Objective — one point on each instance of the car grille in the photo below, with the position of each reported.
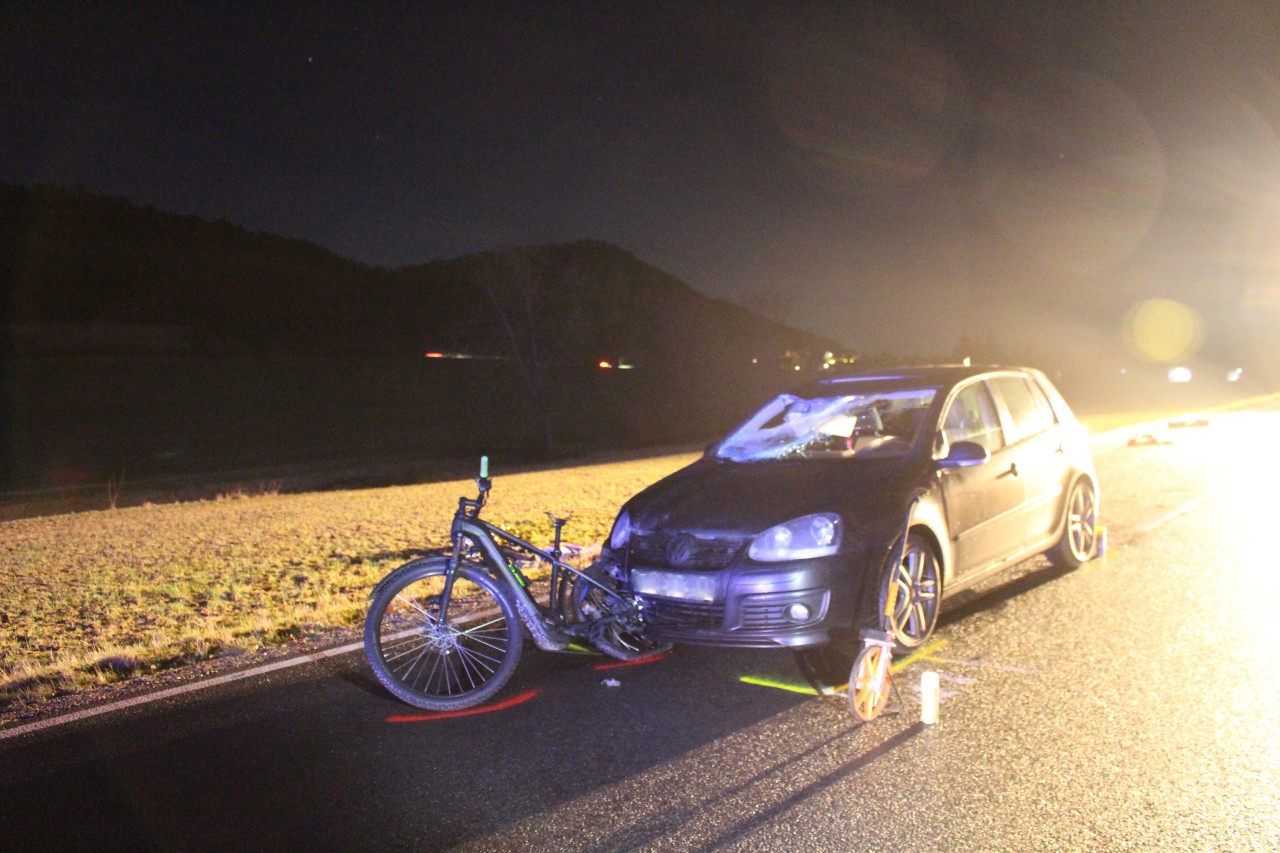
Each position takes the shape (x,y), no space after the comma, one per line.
(650,549)
(692,615)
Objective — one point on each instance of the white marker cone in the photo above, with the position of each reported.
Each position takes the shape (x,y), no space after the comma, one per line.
(929,690)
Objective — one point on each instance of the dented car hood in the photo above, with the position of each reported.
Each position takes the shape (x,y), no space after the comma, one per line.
(732,497)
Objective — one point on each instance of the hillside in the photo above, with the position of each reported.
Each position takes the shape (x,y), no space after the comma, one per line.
(77,262)
(140,343)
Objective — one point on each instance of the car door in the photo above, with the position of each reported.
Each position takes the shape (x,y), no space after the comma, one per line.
(1035,438)
(981,501)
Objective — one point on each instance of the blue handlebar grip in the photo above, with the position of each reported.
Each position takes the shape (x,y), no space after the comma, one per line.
(484,467)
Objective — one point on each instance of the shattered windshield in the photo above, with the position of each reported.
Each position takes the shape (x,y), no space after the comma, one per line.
(874,424)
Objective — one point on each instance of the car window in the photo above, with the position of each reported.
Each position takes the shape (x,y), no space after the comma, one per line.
(972,417)
(1027,406)
(880,423)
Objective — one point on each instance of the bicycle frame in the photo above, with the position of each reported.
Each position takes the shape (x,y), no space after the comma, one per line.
(547,624)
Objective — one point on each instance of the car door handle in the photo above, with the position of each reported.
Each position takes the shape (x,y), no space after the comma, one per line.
(1012,472)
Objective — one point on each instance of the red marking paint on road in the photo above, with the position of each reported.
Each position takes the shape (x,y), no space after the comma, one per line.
(468,712)
(619,664)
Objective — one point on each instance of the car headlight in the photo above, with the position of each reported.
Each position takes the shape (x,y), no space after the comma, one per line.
(809,536)
(621,534)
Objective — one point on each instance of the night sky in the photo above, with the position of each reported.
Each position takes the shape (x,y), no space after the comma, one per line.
(892,175)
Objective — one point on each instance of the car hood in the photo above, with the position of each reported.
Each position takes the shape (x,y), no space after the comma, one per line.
(730,497)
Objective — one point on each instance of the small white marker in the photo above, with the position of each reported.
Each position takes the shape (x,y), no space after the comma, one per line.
(929,690)
(611,682)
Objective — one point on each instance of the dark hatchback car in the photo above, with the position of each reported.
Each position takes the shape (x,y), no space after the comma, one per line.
(780,535)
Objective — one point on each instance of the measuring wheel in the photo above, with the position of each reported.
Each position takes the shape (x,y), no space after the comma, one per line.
(870,681)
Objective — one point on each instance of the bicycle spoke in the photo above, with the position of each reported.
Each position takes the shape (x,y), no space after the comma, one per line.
(413,605)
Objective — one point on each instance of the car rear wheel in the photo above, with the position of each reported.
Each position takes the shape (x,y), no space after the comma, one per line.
(915,612)
(1079,529)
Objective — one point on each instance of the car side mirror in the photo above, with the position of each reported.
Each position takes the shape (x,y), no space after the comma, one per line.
(964,454)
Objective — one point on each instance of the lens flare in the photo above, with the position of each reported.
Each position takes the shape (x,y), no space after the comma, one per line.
(1163,331)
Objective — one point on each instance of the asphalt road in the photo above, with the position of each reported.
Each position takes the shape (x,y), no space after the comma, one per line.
(1129,705)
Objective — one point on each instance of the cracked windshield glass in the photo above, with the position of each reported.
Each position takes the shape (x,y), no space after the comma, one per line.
(861,425)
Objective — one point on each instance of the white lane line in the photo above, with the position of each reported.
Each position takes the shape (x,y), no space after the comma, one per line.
(1182,510)
(40,725)
(1022,670)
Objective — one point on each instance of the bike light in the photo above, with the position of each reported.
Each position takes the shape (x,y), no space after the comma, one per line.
(804,538)
(621,534)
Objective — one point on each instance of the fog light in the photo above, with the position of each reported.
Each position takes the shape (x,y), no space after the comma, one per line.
(799,612)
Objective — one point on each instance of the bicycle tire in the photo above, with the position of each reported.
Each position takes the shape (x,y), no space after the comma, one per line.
(865,701)
(442,666)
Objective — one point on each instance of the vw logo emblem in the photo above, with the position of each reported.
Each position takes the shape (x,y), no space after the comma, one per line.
(680,549)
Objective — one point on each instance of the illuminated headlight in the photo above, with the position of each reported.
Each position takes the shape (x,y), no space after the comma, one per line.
(686,585)
(621,534)
(810,536)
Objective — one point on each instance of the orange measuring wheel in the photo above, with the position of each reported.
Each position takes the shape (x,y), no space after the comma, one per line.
(869,684)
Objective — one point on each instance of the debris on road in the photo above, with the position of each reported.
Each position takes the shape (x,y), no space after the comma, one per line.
(1147,439)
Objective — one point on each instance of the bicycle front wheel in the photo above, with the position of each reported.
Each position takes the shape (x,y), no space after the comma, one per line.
(442,664)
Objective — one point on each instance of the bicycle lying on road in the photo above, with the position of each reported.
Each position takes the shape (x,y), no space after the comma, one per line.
(445,633)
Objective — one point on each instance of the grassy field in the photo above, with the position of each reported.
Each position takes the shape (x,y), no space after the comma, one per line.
(96,597)
(91,598)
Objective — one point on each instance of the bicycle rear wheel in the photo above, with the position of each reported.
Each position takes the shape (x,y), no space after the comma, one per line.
(442,665)
(617,640)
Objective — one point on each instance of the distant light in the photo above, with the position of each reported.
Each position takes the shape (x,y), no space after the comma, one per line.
(1180,374)
(604,365)
(622,366)
(797,367)
(435,355)
(755,361)
(1234,375)
(826,366)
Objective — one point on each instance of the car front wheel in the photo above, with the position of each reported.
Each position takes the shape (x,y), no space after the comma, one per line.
(919,582)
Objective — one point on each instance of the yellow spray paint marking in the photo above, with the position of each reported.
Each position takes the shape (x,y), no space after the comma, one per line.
(925,653)
(778,685)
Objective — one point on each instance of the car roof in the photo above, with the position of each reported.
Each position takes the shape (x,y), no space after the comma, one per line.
(933,376)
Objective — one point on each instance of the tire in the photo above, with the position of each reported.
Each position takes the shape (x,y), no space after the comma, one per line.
(865,701)
(919,580)
(610,637)
(1079,528)
(449,666)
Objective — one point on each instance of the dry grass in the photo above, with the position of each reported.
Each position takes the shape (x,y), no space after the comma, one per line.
(95,597)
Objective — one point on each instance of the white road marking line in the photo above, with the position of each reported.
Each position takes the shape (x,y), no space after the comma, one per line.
(1182,510)
(40,725)
(987,664)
